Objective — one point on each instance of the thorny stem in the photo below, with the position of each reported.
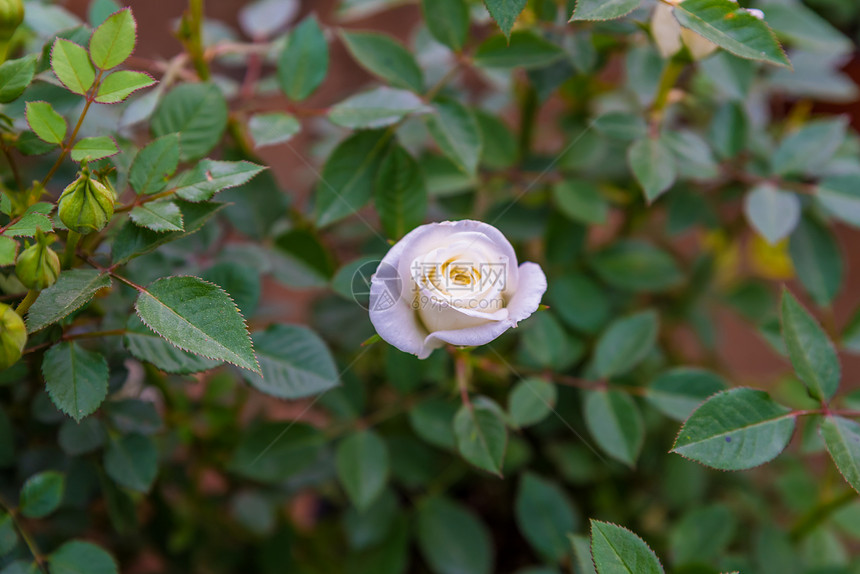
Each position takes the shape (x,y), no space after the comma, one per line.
(26,537)
(28,300)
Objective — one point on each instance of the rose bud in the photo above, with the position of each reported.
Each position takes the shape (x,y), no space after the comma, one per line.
(38,266)
(87,204)
(13,336)
(455,282)
(11,16)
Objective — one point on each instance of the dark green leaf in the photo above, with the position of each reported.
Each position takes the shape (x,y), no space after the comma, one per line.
(616,550)
(637,266)
(273,452)
(73,289)
(132,461)
(45,122)
(198,112)
(362,466)
(154,164)
(385,57)
(702,535)
(400,197)
(77,438)
(579,302)
(530,401)
(42,494)
(679,391)
(625,343)
(523,49)
(448,21)
(15,76)
(455,130)
(817,260)
(499,146)
(842,438)
(240,279)
(72,66)
(653,165)
(76,379)
(113,41)
(481,436)
(615,423)
(432,420)
(452,539)
(303,63)
(812,354)
(505,13)
(8,534)
(603,9)
(545,516)
(145,345)
(77,556)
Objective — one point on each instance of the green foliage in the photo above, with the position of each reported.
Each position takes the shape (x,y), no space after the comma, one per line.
(42,494)
(76,379)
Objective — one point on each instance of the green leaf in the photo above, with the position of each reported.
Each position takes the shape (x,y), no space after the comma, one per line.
(303,63)
(616,550)
(99,10)
(817,260)
(76,379)
(158,216)
(615,424)
(448,21)
(400,197)
(145,345)
(199,317)
(842,438)
(625,344)
(653,166)
(702,535)
(633,265)
(198,112)
(299,259)
(481,436)
(240,279)
(273,128)
(45,122)
(15,76)
(261,19)
(735,430)
(499,149)
(73,289)
(773,212)
(8,534)
(523,49)
(362,466)
(545,344)
(385,57)
(78,556)
(582,554)
(621,126)
(210,176)
(273,452)
(812,354)
(452,539)
(94,148)
(132,461)
(72,66)
(349,174)
(530,401)
(154,164)
(732,28)
(805,29)
(678,392)
(42,494)
(810,147)
(840,196)
(545,516)
(380,107)
(8,251)
(581,201)
(432,420)
(728,130)
(116,87)
(294,363)
(455,130)
(505,13)
(34,219)
(77,438)
(113,41)
(579,302)
(603,9)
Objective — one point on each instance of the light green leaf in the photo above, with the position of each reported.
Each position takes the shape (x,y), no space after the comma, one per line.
(615,424)
(72,66)
(380,107)
(132,461)
(653,166)
(622,126)
(73,289)
(262,19)
(505,13)
(625,343)
(273,128)
(385,57)
(199,317)
(633,265)
(45,122)
(481,436)
(842,438)
(116,87)
(805,29)
(582,554)
(78,556)
(773,213)
(455,130)
(210,176)
(732,28)
(113,41)
(294,363)
(616,550)
(349,174)
(158,216)
(523,49)
(15,76)
(735,430)
(810,147)
(545,516)
(76,379)
(581,201)
(154,164)
(530,401)
(35,218)
(812,354)
(452,539)
(603,9)
(448,21)
(8,251)
(817,260)
(198,112)
(303,63)
(42,494)
(678,392)
(401,196)
(840,196)
(145,345)
(94,148)
(362,466)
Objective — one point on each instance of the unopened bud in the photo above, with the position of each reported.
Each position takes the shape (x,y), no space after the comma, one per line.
(11,16)
(87,204)
(13,336)
(38,266)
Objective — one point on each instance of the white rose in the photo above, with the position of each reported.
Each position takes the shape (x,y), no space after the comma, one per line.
(453,282)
